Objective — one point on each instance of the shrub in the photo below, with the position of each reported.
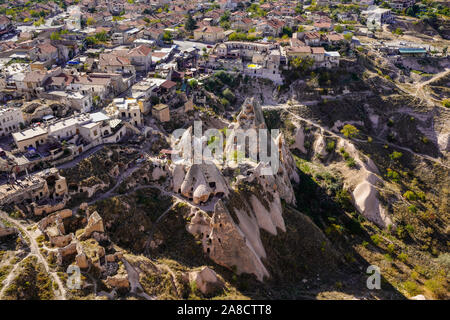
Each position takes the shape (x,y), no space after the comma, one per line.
(446,103)
(395,155)
(421,195)
(349,131)
(339,28)
(410,195)
(224,102)
(444,260)
(376,239)
(437,287)
(409,228)
(398,32)
(351,163)
(393,175)
(229,95)
(412,288)
(403,257)
(348,36)
(330,146)
(391,248)
(401,232)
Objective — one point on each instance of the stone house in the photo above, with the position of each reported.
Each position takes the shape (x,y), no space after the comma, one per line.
(30,138)
(161,112)
(209,34)
(10,120)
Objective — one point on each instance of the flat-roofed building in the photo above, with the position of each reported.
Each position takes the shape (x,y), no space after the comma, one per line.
(31,138)
(10,120)
(161,112)
(127,109)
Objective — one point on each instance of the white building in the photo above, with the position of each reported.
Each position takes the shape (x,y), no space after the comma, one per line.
(73,20)
(128,109)
(76,100)
(10,120)
(377,16)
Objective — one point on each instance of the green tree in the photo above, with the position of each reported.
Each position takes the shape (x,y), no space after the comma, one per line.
(395,155)
(90,21)
(349,131)
(55,36)
(167,36)
(348,36)
(101,36)
(193,83)
(237,36)
(410,195)
(338,28)
(40,22)
(302,64)
(190,23)
(398,32)
(229,95)
(287,31)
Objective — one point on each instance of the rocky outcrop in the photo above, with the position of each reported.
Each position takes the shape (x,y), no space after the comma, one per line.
(228,245)
(53,227)
(5,231)
(63,253)
(206,281)
(55,218)
(39,210)
(367,203)
(158,173)
(82,261)
(200,182)
(364,180)
(299,140)
(89,252)
(252,200)
(319,146)
(419,297)
(95,224)
(61,240)
(118,282)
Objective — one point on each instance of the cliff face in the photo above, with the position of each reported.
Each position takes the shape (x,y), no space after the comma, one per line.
(363,179)
(245,201)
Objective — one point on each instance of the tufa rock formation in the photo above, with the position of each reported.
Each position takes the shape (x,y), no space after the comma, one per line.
(251,201)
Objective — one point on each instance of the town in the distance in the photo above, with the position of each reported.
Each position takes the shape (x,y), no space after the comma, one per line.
(95,205)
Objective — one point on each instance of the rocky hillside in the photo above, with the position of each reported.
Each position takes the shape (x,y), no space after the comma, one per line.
(363,180)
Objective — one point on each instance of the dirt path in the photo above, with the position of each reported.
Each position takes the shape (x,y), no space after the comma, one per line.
(11,276)
(174,281)
(421,94)
(133,278)
(61,293)
(150,237)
